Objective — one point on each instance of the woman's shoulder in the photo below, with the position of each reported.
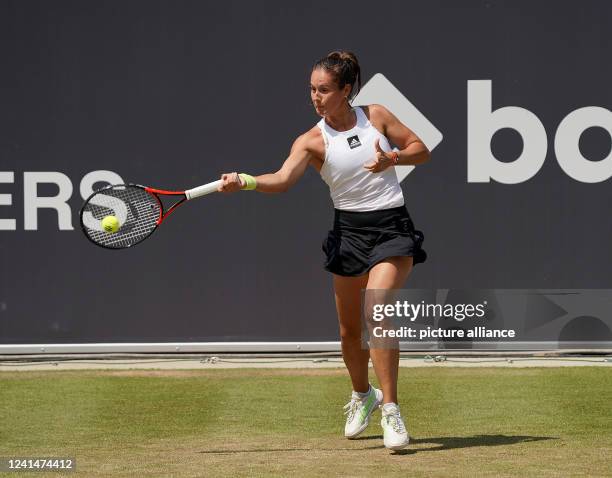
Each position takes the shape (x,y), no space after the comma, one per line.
(312,142)
(378,116)
(375,111)
(311,139)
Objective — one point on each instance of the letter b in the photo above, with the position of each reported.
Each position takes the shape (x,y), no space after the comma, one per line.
(482,125)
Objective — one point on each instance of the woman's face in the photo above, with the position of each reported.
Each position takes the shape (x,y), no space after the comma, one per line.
(326,97)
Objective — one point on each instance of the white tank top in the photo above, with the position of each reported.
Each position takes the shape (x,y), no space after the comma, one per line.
(351,186)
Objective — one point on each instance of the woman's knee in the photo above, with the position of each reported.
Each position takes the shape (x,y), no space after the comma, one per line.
(350,332)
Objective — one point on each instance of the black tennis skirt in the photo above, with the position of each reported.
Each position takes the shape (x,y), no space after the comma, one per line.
(360,240)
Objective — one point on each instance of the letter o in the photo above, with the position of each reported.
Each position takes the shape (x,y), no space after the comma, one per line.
(567,148)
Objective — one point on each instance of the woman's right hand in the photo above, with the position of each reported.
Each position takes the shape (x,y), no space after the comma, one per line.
(231,183)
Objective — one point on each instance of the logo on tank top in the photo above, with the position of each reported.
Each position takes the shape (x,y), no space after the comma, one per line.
(353,142)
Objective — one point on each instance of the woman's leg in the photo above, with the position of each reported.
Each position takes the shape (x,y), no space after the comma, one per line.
(388,274)
(348,306)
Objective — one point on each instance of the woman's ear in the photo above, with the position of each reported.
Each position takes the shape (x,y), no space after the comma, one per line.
(347,90)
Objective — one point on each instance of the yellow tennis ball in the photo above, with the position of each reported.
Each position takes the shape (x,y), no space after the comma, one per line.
(110,224)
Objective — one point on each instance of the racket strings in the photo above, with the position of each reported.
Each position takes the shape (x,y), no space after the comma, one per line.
(136,210)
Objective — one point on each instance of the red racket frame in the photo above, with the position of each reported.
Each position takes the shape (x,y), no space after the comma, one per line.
(156,192)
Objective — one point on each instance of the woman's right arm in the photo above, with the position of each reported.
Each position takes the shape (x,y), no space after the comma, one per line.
(279,182)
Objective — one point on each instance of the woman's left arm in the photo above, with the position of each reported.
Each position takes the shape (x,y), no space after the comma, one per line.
(412,151)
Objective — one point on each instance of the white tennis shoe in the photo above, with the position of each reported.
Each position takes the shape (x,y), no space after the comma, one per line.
(358,411)
(395,433)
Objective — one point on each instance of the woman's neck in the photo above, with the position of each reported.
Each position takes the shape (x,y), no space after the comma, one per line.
(343,120)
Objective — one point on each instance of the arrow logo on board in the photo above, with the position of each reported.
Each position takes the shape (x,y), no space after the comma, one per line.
(381,91)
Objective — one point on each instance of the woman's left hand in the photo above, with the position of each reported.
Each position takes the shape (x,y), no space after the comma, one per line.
(381,162)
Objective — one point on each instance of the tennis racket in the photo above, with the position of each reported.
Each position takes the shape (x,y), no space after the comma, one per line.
(123,215)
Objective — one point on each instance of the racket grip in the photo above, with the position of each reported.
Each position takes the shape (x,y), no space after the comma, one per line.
(203,190)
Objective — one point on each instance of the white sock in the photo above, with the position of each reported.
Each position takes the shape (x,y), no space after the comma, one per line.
(390,407)
(364,394)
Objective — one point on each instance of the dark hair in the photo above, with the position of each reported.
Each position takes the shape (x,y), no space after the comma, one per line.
(345,68)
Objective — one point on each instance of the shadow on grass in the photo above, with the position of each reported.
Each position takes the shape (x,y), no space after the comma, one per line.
(450,443)
(444,443)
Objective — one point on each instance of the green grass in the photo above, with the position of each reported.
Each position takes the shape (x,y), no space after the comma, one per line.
(463,422)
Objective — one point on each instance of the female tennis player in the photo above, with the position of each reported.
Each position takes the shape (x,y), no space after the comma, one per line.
(373,244)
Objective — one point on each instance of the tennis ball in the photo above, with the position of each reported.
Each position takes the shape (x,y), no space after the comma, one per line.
(110,224)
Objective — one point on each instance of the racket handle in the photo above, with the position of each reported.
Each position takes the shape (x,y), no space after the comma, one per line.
(203,190)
